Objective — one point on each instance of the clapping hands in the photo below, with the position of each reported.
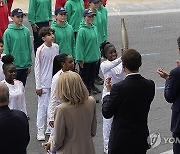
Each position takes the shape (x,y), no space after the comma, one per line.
(163,73)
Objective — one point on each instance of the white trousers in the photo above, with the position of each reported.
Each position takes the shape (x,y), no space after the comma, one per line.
(51,135)
(42,112)
(106,130)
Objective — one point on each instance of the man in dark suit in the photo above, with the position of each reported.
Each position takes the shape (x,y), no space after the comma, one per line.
(14,127)
(129,102)
(172,95)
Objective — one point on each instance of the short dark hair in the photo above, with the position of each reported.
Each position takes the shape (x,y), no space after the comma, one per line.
(131,59)
(1,41)
(45,31)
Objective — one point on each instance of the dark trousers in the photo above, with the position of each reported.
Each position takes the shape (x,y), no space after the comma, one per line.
(22,75)
(75,36)
(99,62)
(98,67)
(176,144)
(87,74)
(38,40)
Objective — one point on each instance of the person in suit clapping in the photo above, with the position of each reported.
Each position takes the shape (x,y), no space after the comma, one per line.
(129,102)
(172,95)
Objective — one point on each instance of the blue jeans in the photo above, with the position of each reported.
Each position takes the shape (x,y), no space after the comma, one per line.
(98,67)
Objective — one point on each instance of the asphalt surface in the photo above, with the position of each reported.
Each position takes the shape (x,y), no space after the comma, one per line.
(154,35)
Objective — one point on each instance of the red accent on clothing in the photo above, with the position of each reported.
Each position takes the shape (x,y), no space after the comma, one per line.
(9,3)
(86,4)
(104,2)
(4,18)
(60,3)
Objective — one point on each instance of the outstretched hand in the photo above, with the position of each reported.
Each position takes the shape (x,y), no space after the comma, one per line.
(163,73)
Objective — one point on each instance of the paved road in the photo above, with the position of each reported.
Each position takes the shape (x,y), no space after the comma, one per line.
(154,36)
(124,7)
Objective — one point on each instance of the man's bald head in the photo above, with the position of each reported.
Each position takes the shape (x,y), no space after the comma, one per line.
(4,93)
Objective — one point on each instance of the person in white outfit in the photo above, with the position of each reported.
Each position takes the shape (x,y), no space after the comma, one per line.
(112,67)
(43,69)
(1,63)
(62,63)
(16,88)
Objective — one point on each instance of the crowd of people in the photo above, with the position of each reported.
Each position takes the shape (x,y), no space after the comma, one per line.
(68,51)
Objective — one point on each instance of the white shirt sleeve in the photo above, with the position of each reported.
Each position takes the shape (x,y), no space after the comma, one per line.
(108,65)
(53,99)
(57,49)
(37,68)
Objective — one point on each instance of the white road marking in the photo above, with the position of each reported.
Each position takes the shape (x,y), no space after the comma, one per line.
(116,11)
(153,27)
(143,12)
(149,54)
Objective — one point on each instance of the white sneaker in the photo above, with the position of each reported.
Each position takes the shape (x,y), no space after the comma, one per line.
(105,150)
(40,135)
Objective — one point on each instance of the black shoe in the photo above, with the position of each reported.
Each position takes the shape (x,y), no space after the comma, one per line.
(99,81)
(97,101)
(96,89)
(99,78)
(93,92)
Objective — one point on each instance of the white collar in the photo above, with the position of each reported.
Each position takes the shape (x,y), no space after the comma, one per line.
(132,74)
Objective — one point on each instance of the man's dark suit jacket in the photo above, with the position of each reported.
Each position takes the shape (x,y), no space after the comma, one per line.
(129,102)
(14,131)
(172,95)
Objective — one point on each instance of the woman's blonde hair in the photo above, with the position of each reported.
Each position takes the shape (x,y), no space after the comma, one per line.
(71,89)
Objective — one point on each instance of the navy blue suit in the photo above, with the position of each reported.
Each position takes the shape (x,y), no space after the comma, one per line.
(129,102)
(172,95)
(14,131)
